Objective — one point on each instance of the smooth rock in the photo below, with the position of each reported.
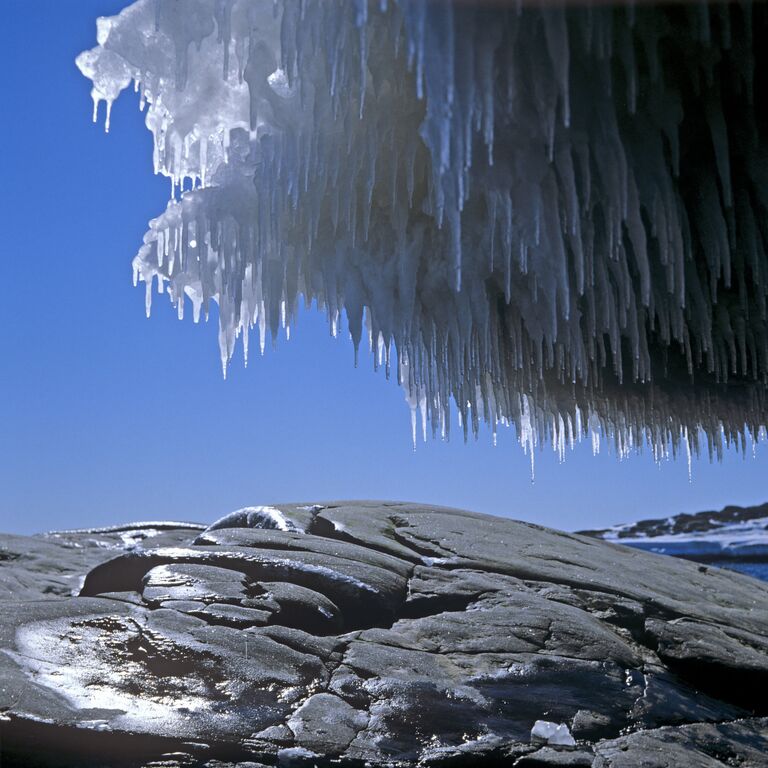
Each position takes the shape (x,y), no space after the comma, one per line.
(373,632)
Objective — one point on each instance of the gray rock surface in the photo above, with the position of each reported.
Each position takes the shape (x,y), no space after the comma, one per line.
(376,633)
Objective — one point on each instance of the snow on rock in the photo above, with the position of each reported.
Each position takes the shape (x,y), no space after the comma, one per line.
(553,217)
(552,733)
(257,517)
(294,756)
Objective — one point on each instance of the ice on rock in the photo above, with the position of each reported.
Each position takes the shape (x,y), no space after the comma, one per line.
(552,733)
(551,217)
(294,757)
(269,518)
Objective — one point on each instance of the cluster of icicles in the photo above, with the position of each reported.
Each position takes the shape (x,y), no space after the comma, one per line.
(551,217)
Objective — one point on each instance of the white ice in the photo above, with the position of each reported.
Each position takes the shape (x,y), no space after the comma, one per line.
(490,195)
(257,517)
(552,733)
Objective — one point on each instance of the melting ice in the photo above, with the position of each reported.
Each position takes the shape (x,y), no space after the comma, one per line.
(552,217)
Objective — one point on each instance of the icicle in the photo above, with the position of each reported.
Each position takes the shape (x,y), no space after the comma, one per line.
(548,227)
(148,297)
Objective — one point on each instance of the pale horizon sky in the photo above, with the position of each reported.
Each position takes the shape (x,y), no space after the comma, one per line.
(109,417)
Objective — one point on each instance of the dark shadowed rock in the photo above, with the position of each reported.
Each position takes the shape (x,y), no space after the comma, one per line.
(374,633)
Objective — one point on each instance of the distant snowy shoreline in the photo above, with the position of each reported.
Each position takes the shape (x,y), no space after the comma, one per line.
(735,538)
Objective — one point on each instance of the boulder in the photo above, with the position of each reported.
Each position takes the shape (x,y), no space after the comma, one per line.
(376,633)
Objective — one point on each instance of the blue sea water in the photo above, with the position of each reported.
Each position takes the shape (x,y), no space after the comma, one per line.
(704,551)
(757,570)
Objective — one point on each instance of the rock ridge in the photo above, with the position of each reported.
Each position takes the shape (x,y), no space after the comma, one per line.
(373,633)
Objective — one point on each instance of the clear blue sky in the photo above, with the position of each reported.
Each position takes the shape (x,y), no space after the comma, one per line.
(106,416)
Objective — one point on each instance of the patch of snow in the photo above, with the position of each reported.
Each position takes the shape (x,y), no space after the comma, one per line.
(138,527)
(270,518)
(555,734)
(294,756)
(430,561)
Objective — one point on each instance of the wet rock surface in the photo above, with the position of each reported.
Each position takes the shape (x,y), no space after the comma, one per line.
(357,633)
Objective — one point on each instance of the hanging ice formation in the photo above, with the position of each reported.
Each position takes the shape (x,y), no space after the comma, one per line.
(554,217)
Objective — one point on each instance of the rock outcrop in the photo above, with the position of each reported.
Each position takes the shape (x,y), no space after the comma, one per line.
(357,633)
